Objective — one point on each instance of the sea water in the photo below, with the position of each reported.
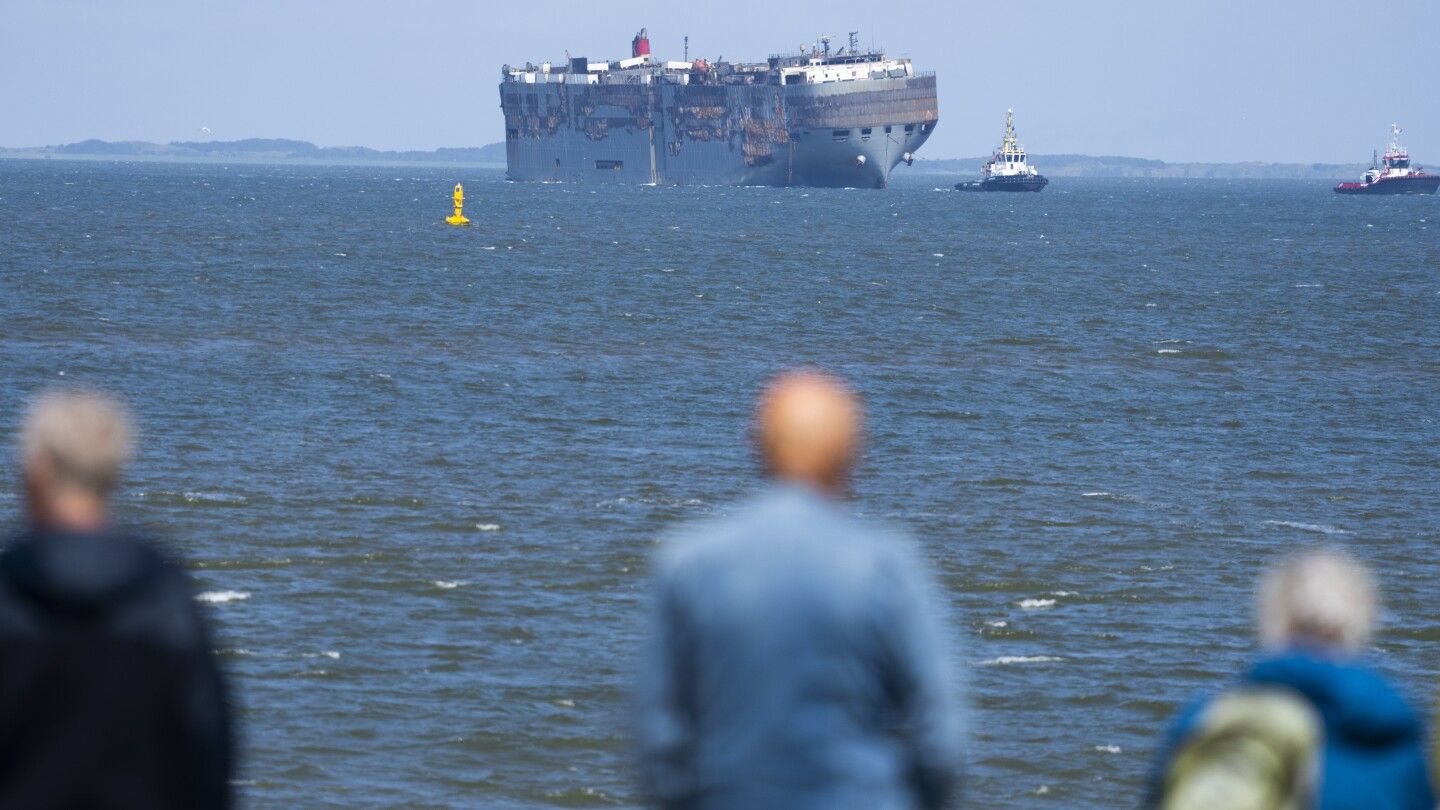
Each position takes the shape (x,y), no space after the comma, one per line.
(420,470)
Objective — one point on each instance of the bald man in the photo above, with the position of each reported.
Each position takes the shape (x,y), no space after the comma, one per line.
(109,692)
(796,659)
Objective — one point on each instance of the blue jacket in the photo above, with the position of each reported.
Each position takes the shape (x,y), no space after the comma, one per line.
(1374,750)
(796,662)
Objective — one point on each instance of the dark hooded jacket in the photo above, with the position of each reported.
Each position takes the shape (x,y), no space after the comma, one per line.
(1373,756)
(110,696)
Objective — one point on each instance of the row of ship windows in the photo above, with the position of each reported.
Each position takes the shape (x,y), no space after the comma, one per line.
(843,135)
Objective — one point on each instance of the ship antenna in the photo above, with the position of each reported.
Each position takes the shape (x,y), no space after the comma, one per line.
(687,47)
(854,41)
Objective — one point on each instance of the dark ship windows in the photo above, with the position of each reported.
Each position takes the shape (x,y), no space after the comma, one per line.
(887,129)
(909,128)
(840,135)
(612,165)
(865,134)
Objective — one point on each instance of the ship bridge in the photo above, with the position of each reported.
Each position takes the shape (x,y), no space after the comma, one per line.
(822,70)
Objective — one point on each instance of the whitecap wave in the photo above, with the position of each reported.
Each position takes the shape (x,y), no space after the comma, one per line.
(1108,749)
(447,584)
(214,497)
(1007,660)
(1036,604)
(487,527)
(1317,528)
(221,597)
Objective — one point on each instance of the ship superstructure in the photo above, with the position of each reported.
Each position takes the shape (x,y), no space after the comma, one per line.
(1393,174)
(1007,169)
(816,118)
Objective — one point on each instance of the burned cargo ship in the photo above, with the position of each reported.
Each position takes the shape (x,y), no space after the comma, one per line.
(815,118)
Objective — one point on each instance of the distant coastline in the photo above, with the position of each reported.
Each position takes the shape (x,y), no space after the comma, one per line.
(260,150)
(1116,166)
(285,151)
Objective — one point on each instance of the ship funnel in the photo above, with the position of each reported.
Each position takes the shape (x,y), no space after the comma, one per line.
(640,45)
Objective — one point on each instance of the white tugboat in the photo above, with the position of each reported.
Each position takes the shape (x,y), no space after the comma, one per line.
(1006,170)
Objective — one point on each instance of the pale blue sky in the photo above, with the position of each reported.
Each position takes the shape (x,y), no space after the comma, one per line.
(1275,80)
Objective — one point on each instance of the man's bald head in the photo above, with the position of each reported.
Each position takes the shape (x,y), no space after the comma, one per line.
(808,428)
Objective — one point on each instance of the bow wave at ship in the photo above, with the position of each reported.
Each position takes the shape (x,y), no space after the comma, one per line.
(817,118)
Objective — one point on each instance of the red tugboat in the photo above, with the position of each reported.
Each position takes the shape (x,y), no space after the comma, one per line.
(1394,174)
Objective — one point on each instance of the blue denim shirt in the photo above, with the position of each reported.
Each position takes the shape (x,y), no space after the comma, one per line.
(796,662)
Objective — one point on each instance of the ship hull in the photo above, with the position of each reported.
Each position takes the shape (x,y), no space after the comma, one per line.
(1014,183)
(1413,184)
(672,134)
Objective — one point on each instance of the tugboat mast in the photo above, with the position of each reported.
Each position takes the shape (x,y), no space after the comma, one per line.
(1011,144)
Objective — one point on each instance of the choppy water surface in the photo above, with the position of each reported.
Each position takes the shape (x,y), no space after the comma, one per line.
(421,469)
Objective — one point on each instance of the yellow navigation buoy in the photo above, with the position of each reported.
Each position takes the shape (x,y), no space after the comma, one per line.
(459,218)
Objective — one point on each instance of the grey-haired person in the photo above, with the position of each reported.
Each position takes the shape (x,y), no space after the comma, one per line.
(110,695)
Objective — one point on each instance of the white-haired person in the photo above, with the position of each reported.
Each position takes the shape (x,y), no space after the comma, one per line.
(1310,725)
(109,691)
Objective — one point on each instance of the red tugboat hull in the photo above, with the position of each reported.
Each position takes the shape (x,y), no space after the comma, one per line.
(1409,184)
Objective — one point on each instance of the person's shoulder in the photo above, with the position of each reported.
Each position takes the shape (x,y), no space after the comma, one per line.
(1349,691)
(702,542)
(1308,670)
(780,512)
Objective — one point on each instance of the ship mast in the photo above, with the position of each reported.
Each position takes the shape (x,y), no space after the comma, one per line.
(1395,138)
(1010,146)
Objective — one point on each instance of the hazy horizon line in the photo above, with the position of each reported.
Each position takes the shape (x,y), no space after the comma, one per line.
(918,157)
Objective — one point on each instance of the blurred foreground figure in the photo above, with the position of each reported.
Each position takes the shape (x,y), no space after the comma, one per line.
(109,695)
(1310,726)
(796,659)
